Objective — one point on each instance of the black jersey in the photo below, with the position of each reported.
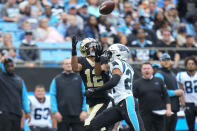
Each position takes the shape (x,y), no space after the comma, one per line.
(91,80)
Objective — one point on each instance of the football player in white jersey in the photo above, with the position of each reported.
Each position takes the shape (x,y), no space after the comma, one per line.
(41,119)
(126,107)
(188,82)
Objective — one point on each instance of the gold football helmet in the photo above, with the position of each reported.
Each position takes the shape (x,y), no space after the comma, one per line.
(85,46)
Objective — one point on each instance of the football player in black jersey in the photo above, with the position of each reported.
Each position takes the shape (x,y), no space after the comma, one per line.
(85,65)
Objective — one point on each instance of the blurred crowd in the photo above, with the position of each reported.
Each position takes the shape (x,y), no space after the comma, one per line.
(135,23)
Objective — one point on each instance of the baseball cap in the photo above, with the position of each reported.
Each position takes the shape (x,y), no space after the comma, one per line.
(104,34)
(72,6)
(165,56)
(84,5)
(156,65)
(28,32)
(170,7)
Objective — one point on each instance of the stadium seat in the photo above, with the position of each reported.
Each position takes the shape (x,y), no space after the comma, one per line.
(8,26)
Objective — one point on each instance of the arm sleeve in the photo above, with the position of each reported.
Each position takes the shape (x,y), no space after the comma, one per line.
(165,94)
(54,108)
(159,75)
(135,91)
(84,106)
(171,93)
(110,84)
(25,99)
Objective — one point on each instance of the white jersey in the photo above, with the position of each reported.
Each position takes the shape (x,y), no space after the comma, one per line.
(124,88)
(40,112)
(190,86)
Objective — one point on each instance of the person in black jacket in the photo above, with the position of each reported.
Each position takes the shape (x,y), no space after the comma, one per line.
(152,90)
(13,97)
(32,51)
(173,90)
(68,103)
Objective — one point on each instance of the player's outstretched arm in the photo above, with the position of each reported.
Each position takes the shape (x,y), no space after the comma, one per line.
(98,52)
(116,76)
(76,67)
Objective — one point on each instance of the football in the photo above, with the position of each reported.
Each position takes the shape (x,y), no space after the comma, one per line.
(106,7)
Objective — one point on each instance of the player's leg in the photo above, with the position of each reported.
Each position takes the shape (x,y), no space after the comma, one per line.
(63,126)
(106,118)
(130,113)
(190,116)
(95,110)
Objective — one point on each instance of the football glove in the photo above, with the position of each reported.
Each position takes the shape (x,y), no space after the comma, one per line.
(89,92)
(98,52)
(74,44)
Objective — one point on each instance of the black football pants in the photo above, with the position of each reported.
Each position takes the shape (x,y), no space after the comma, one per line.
(190,114)
(126,110)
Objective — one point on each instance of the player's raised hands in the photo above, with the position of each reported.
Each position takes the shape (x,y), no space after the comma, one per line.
(98,52)
(74,44)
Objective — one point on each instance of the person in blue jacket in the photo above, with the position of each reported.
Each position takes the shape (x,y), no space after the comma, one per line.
(169,78)
(68,103)
(13,97)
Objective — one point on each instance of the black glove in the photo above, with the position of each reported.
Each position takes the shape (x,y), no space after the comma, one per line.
(89,92)
(98,52)
(74,43)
